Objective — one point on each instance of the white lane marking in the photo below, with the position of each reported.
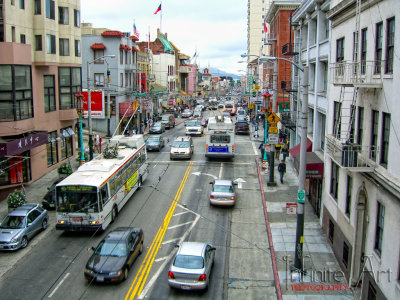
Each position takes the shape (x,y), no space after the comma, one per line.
(169,242)
(155,166)
(179,225)
(58,285)
(161,259)
(220,171)
(254,148)
(162,267)
(199,161)
(181,213)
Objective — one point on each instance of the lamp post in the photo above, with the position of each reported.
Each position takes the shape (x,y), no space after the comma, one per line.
(298,262)
(90,103)
(80,112)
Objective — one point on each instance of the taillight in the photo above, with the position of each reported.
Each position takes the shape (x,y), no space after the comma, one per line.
(171,275)
(211,197)
(232,198)
(202,277)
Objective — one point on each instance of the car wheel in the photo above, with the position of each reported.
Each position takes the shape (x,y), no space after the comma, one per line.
(141,248)
(126,272)
(24,242)
(44,224)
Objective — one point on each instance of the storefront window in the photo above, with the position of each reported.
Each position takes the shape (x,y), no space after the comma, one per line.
(52,149)
(66,143)
(15,170)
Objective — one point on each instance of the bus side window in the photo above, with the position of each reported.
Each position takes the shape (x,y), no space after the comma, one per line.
(104,194)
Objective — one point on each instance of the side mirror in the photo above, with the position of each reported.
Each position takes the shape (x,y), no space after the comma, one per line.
(177,245)
(213,248)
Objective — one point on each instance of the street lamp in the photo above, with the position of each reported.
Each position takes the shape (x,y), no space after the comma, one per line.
(298,262)
(80,112)
(90,103)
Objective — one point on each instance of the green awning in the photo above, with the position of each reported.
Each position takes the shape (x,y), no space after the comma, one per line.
(166,44)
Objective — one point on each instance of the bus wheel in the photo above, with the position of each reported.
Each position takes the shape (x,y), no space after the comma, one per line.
(139,182)
(114,214)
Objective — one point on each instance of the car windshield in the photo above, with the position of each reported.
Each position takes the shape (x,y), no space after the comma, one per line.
(111,248)
(180,144)
(152,141)
(13,222)
(165,118)
(157,125)
(198,124)
(189,262)
(223,188)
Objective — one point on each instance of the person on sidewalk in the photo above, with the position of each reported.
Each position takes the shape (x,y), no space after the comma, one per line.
(282,169)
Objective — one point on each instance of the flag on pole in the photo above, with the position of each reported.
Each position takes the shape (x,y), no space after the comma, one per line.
(158,9)
(265,26)
(135,32)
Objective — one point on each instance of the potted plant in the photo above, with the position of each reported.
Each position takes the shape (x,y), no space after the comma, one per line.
(65,169)
(15,199)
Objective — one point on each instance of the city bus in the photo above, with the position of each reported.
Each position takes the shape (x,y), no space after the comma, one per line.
(220,139)
(91,197)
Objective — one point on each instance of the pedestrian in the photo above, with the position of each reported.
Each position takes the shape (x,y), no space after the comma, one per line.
(261,148)
(282,169)
(285,151)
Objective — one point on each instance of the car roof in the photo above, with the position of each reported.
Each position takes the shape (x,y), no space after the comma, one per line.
(23,209)
(120,233)
(192,248)
(222,182)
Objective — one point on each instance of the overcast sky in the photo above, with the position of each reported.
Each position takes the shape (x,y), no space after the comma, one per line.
(216,29)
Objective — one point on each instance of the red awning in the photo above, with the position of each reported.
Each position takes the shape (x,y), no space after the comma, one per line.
(314,167)
(134,38)
(22,144)
(98,46)
(296,149)
(112,33)
(123,107)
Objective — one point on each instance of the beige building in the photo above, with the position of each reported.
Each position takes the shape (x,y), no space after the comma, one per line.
(256,36)
(40,72)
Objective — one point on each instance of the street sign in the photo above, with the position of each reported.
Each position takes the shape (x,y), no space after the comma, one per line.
(301,195)
(273,138)
(257,87)
(251,106)
(273,119)
(267,148)
(272,129)
(291,208)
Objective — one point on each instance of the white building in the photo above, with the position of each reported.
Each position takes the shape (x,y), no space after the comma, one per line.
(362,170)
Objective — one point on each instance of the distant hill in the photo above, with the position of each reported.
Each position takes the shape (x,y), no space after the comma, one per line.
(218,72)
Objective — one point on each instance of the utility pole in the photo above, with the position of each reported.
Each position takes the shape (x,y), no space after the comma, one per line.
(89,114)
(271,180)
(298,261)
(108,102)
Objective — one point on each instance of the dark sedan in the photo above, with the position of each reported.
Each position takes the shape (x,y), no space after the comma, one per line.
(155,142)
(157,127)
(114,256)
(242,127)
(49,200)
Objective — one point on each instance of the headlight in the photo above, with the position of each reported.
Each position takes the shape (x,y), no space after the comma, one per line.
(199,129)
(186,129)
(88,271)
(115,273)
(16,239)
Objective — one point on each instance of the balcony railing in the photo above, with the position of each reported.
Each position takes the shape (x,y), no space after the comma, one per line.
(184,69)
(289,86)
(288,119)
(289,49)
(367,74)
(352,156)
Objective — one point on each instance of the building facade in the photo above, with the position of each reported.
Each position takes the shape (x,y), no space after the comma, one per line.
(362,169)
(40,72)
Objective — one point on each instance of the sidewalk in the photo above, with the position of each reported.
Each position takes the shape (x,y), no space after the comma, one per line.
(319,260)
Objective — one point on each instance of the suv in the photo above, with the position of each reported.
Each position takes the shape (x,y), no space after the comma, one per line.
(182,147)
(242,127)
(168,121)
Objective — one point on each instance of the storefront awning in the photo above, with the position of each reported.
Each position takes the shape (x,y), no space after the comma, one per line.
(22,144)
(128,108)
(97,46)
(315,166)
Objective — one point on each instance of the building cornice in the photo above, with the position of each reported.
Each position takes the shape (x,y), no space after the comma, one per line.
(280,5)
(307,6)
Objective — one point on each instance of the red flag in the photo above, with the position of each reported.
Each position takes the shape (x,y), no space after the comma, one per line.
(265,27)
(158,9)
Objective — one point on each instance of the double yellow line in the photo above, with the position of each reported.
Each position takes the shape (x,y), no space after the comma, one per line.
(141,276)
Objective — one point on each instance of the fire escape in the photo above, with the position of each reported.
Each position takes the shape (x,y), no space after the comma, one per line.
(353,78)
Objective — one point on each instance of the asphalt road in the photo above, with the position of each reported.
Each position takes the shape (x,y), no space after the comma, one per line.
(176,210)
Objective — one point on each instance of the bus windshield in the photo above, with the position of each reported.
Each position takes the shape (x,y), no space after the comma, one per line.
(77,198)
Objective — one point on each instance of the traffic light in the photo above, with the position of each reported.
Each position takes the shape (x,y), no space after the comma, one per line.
(254,94)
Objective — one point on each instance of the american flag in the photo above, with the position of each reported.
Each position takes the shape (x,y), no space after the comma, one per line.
(135,32)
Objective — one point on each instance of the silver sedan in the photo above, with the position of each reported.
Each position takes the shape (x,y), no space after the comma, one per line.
(222,192)
(191,267)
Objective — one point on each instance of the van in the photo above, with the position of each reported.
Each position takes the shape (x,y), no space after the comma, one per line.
(168,121)
(182,147)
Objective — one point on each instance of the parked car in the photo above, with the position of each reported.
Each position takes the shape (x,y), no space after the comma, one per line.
(49,200)
(182,147)
(191,267)
(187,113)
(114,255)
(222,192)
(242,127)
(157,127)
(193,127)
(155,142)
(168,121)
(21,225)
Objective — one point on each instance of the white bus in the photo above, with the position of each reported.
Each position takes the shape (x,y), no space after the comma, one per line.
(90,198)
(220,140)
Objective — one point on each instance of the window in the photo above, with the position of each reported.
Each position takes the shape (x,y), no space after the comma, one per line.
(355,52)
(340,50)
(38,43)
(97,55)
(69,82)
(22,38)
(337,106)
(345,256)
(334,180)
(385,139)
(121,57)
(349,188)
(49,93)
(50,10)
(360,125)
(63,15)
(77,18)
(380,220)
(352,123)
(66,143)
(371,292)
(22,4)
(38,7)
(13,36)
(77,48)
(52,148)
(374,134)
(50,44)
(323,121)
(121,79)
(15,99)
(331,231)
(363,50)
(12,2)
(378,47)
(99,79)
(64,47)
(389,45)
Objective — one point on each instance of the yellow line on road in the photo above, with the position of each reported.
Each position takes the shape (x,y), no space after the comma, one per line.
(144,270)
